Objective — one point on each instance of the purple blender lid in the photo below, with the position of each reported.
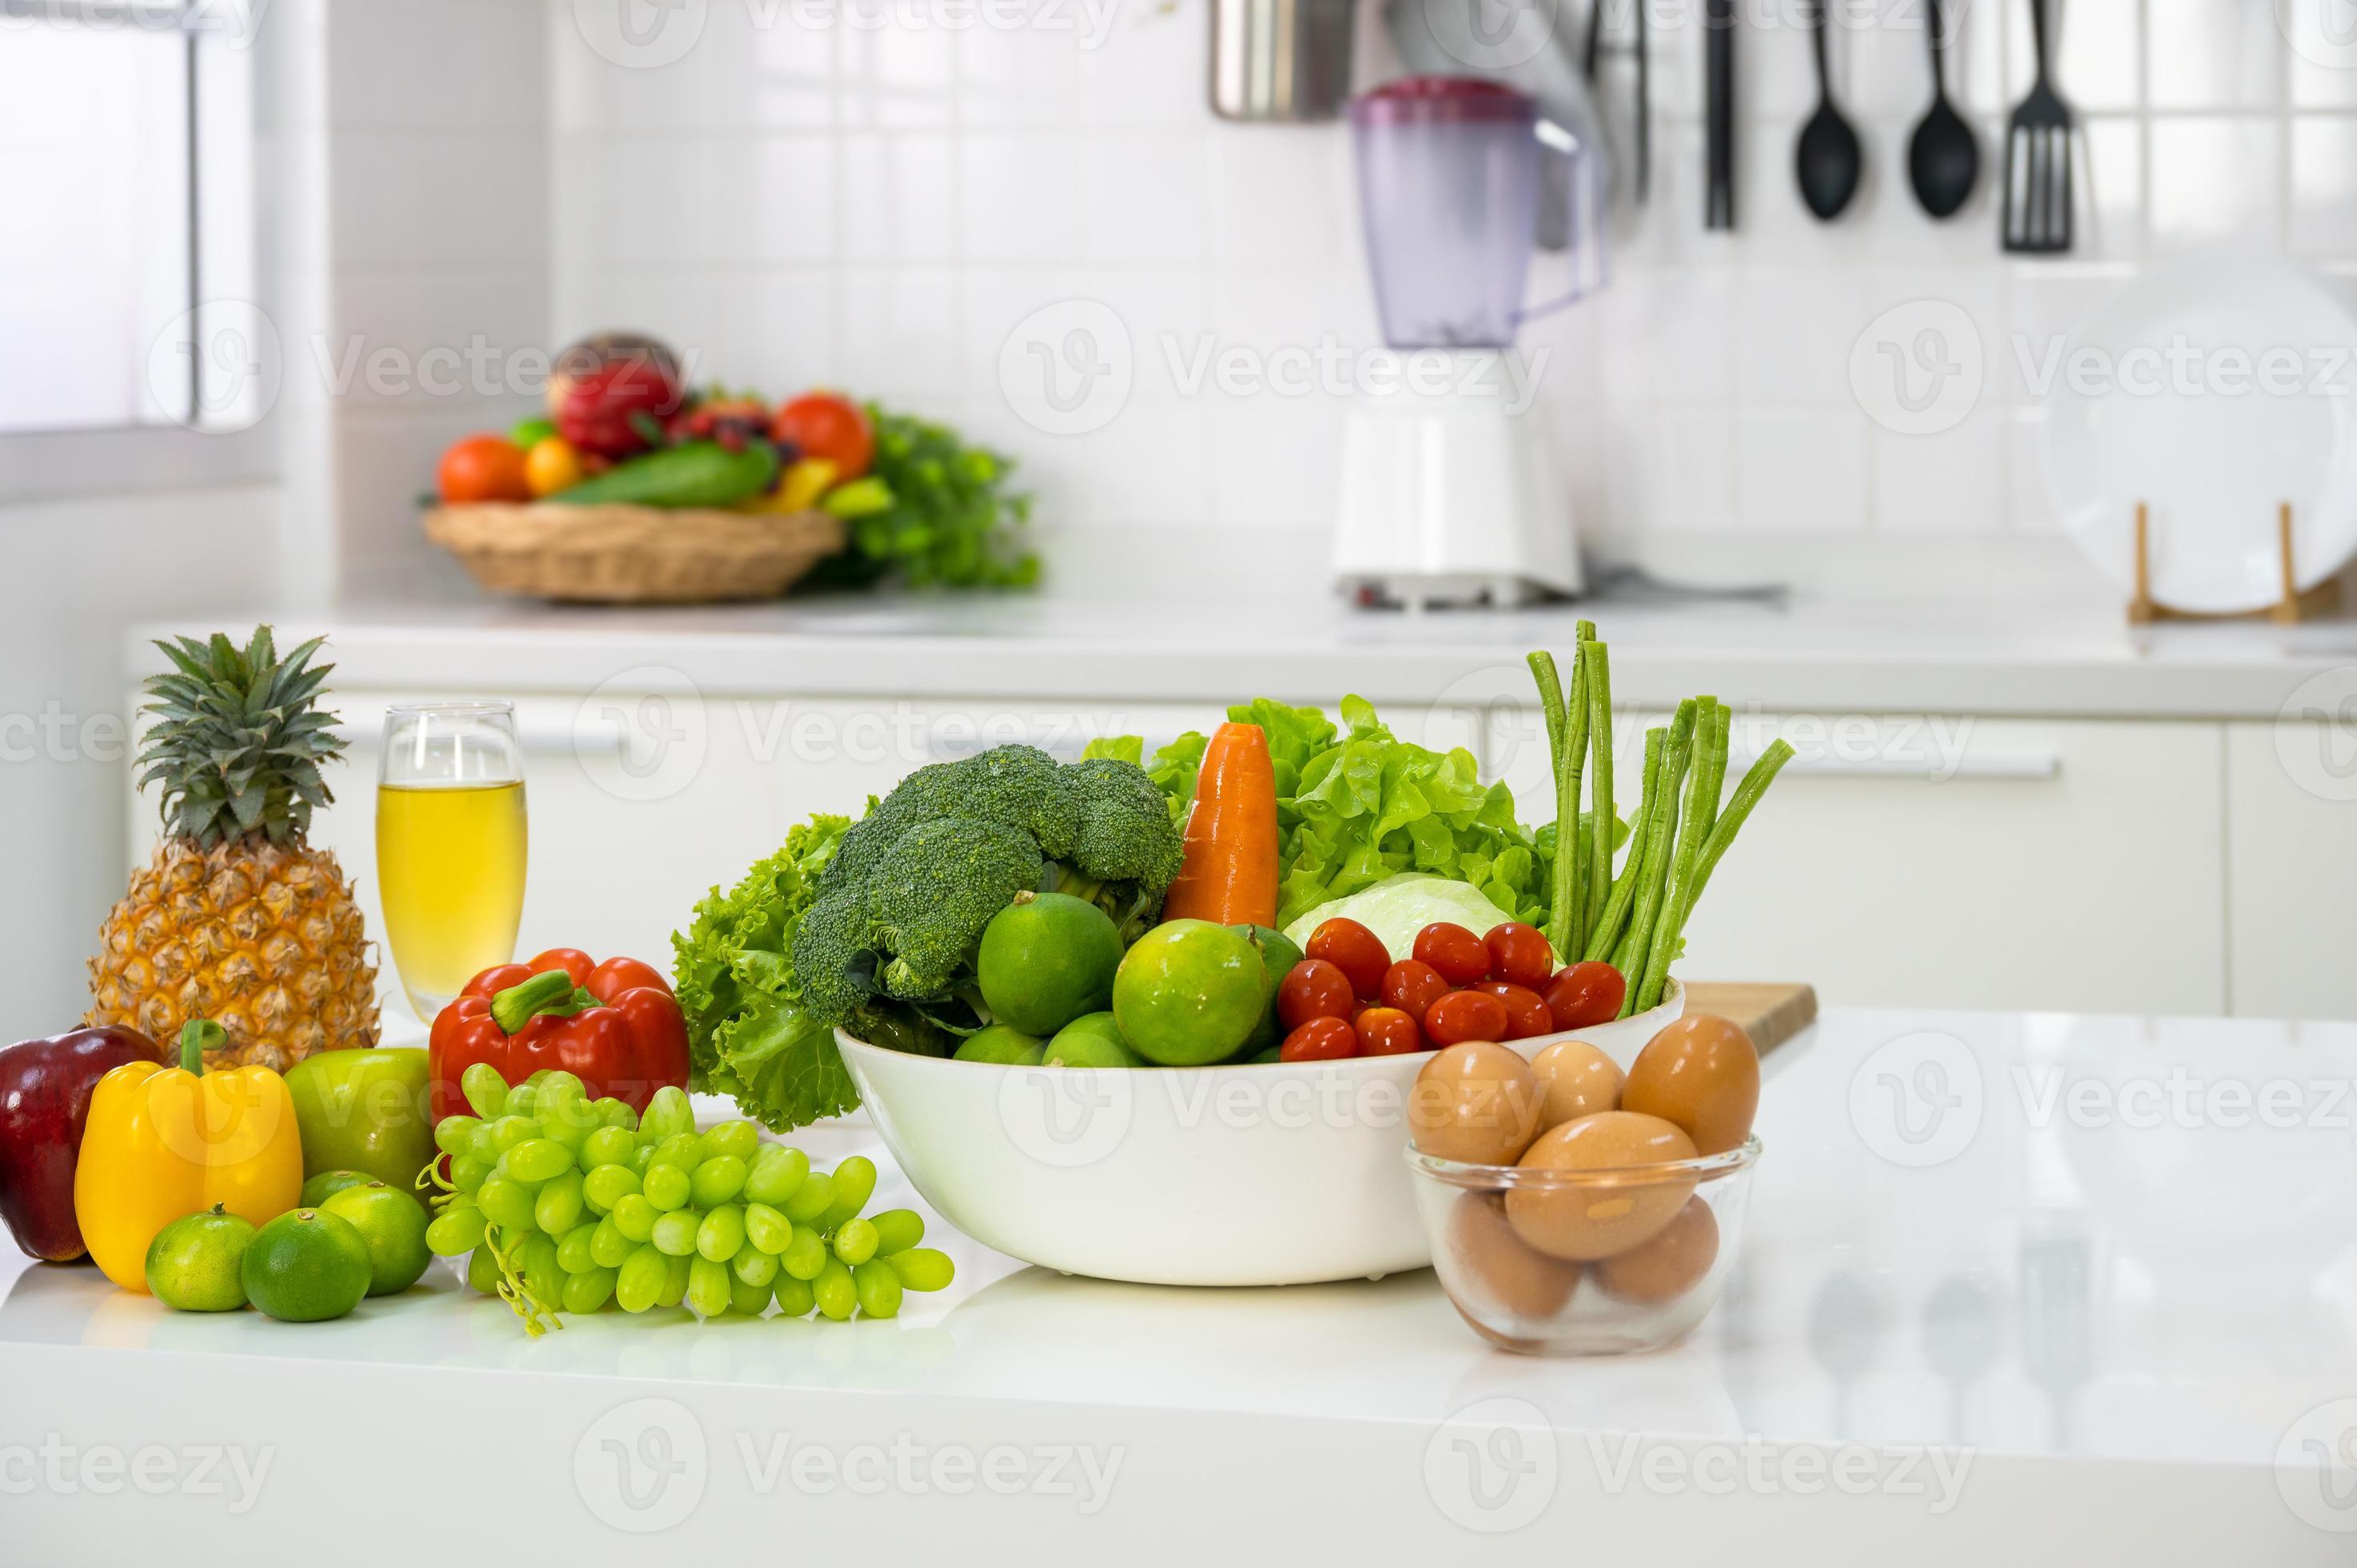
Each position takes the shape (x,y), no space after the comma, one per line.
(1441,100)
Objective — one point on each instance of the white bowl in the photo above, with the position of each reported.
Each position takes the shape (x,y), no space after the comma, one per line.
(1267,1174)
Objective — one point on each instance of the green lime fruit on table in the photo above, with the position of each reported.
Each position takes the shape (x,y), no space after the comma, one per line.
(1010,1048)
(1190,993)
(319,1187)
(1045,960)
(1278,954)
(394,1226)
(305,1266)
(193,1265)
(1092,1039)
(363,1111)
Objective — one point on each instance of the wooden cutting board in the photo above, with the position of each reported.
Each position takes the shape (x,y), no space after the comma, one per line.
(1770,1013)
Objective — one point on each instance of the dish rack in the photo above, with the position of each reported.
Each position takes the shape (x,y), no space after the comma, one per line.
(2292,604)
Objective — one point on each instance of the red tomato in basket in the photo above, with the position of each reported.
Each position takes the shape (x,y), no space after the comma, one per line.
(1586,995)
(1357,951)
(1313,989)
(1413,987)
(1527,1015)
(1519,955)
(1319,1040)
(1388,1031)
(1464,1015)
(1454,952)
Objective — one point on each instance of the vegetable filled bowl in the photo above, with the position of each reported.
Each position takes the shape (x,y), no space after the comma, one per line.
(1258,1173)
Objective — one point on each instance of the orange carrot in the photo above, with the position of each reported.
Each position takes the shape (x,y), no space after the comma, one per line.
(1229,873)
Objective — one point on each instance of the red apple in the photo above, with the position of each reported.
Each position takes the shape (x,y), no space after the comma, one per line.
(44,1100)
(606,390)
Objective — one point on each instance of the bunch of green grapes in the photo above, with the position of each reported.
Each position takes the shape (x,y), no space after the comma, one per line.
(566,1203)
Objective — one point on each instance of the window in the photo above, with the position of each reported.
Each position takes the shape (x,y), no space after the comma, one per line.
(128,280)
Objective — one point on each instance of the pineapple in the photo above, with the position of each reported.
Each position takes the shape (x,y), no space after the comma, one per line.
(236,918)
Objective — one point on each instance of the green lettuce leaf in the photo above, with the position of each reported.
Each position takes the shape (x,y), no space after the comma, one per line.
(749,1034)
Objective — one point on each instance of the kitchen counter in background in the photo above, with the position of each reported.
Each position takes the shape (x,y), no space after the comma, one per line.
(1986,1309)
(2069,656)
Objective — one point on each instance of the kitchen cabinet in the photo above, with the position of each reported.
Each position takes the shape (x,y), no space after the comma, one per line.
(2291,854)
(1958,862)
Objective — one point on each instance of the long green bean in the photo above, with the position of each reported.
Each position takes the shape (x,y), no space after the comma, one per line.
(1637,941)
(1557,930)
(1701,810)
(1602,824)
(1755,783)
(1607,926)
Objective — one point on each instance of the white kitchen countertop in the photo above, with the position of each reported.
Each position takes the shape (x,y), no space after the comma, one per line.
(2025,1285)
(2048,656)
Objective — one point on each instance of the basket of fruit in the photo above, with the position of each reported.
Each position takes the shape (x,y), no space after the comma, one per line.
(636,490)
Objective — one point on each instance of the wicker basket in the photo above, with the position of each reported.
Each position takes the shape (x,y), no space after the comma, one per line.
(634,554)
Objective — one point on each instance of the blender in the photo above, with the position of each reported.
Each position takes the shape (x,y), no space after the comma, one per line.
(1449,494)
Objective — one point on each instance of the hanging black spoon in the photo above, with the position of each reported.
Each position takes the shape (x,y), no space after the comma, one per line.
(1943,157)
(1827,159)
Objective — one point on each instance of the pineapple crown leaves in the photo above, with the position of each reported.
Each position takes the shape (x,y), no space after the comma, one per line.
(238,739)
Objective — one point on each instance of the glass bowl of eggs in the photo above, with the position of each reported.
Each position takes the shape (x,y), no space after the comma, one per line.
(1575,1210)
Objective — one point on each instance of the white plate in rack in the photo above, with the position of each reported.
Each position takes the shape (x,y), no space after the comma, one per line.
(2163,395)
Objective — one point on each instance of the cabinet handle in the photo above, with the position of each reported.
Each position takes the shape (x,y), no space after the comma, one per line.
(2030,763)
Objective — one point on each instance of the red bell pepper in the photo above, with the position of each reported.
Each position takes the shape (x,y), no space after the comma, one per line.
(615,1025)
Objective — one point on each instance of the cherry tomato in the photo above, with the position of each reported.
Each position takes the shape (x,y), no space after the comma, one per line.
(1412,987)
(1312,989)
(1464,1015)
(1519,955)
(1527,1016)
(1585,994)
(1357,951)
(1388,1031)
(1455,953)
(1319,1040)
(820,425)
(484,469)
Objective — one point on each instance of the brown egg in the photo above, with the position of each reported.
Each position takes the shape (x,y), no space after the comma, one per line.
(1611,1214)
(1477,1103)
(1576,1079)
(1669,1266)
(1494,1272)
(1702,1074)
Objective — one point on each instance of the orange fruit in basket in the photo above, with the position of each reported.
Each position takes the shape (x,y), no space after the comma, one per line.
(484,469)
(552,465)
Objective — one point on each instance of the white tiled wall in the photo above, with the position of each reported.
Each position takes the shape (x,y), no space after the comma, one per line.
(862,196)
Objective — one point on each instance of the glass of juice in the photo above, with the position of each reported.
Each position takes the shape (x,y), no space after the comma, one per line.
(449,845)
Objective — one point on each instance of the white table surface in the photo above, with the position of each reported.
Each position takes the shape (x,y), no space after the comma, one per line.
(2015,1283)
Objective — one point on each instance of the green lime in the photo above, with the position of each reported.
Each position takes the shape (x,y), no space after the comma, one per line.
(1045,960)
(192,1262)
(1190,993)
(317,1189)
(1092,1039)
(393,1225)
(1278,954)
(305,1266)
(1010,1047)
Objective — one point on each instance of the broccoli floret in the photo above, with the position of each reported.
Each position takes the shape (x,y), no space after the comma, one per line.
(1015,785)
(902,906)
(1125,849)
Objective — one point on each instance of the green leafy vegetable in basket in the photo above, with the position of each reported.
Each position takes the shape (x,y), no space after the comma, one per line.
(932,512)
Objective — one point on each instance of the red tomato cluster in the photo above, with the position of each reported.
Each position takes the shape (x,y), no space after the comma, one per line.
(1347,998)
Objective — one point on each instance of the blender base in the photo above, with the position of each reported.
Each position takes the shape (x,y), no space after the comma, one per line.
(1450,499)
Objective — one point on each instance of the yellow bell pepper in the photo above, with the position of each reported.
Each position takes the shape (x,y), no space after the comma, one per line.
(163,1141)
(799,488)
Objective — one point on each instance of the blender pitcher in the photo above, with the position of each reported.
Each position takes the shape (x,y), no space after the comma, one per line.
(1449,169)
